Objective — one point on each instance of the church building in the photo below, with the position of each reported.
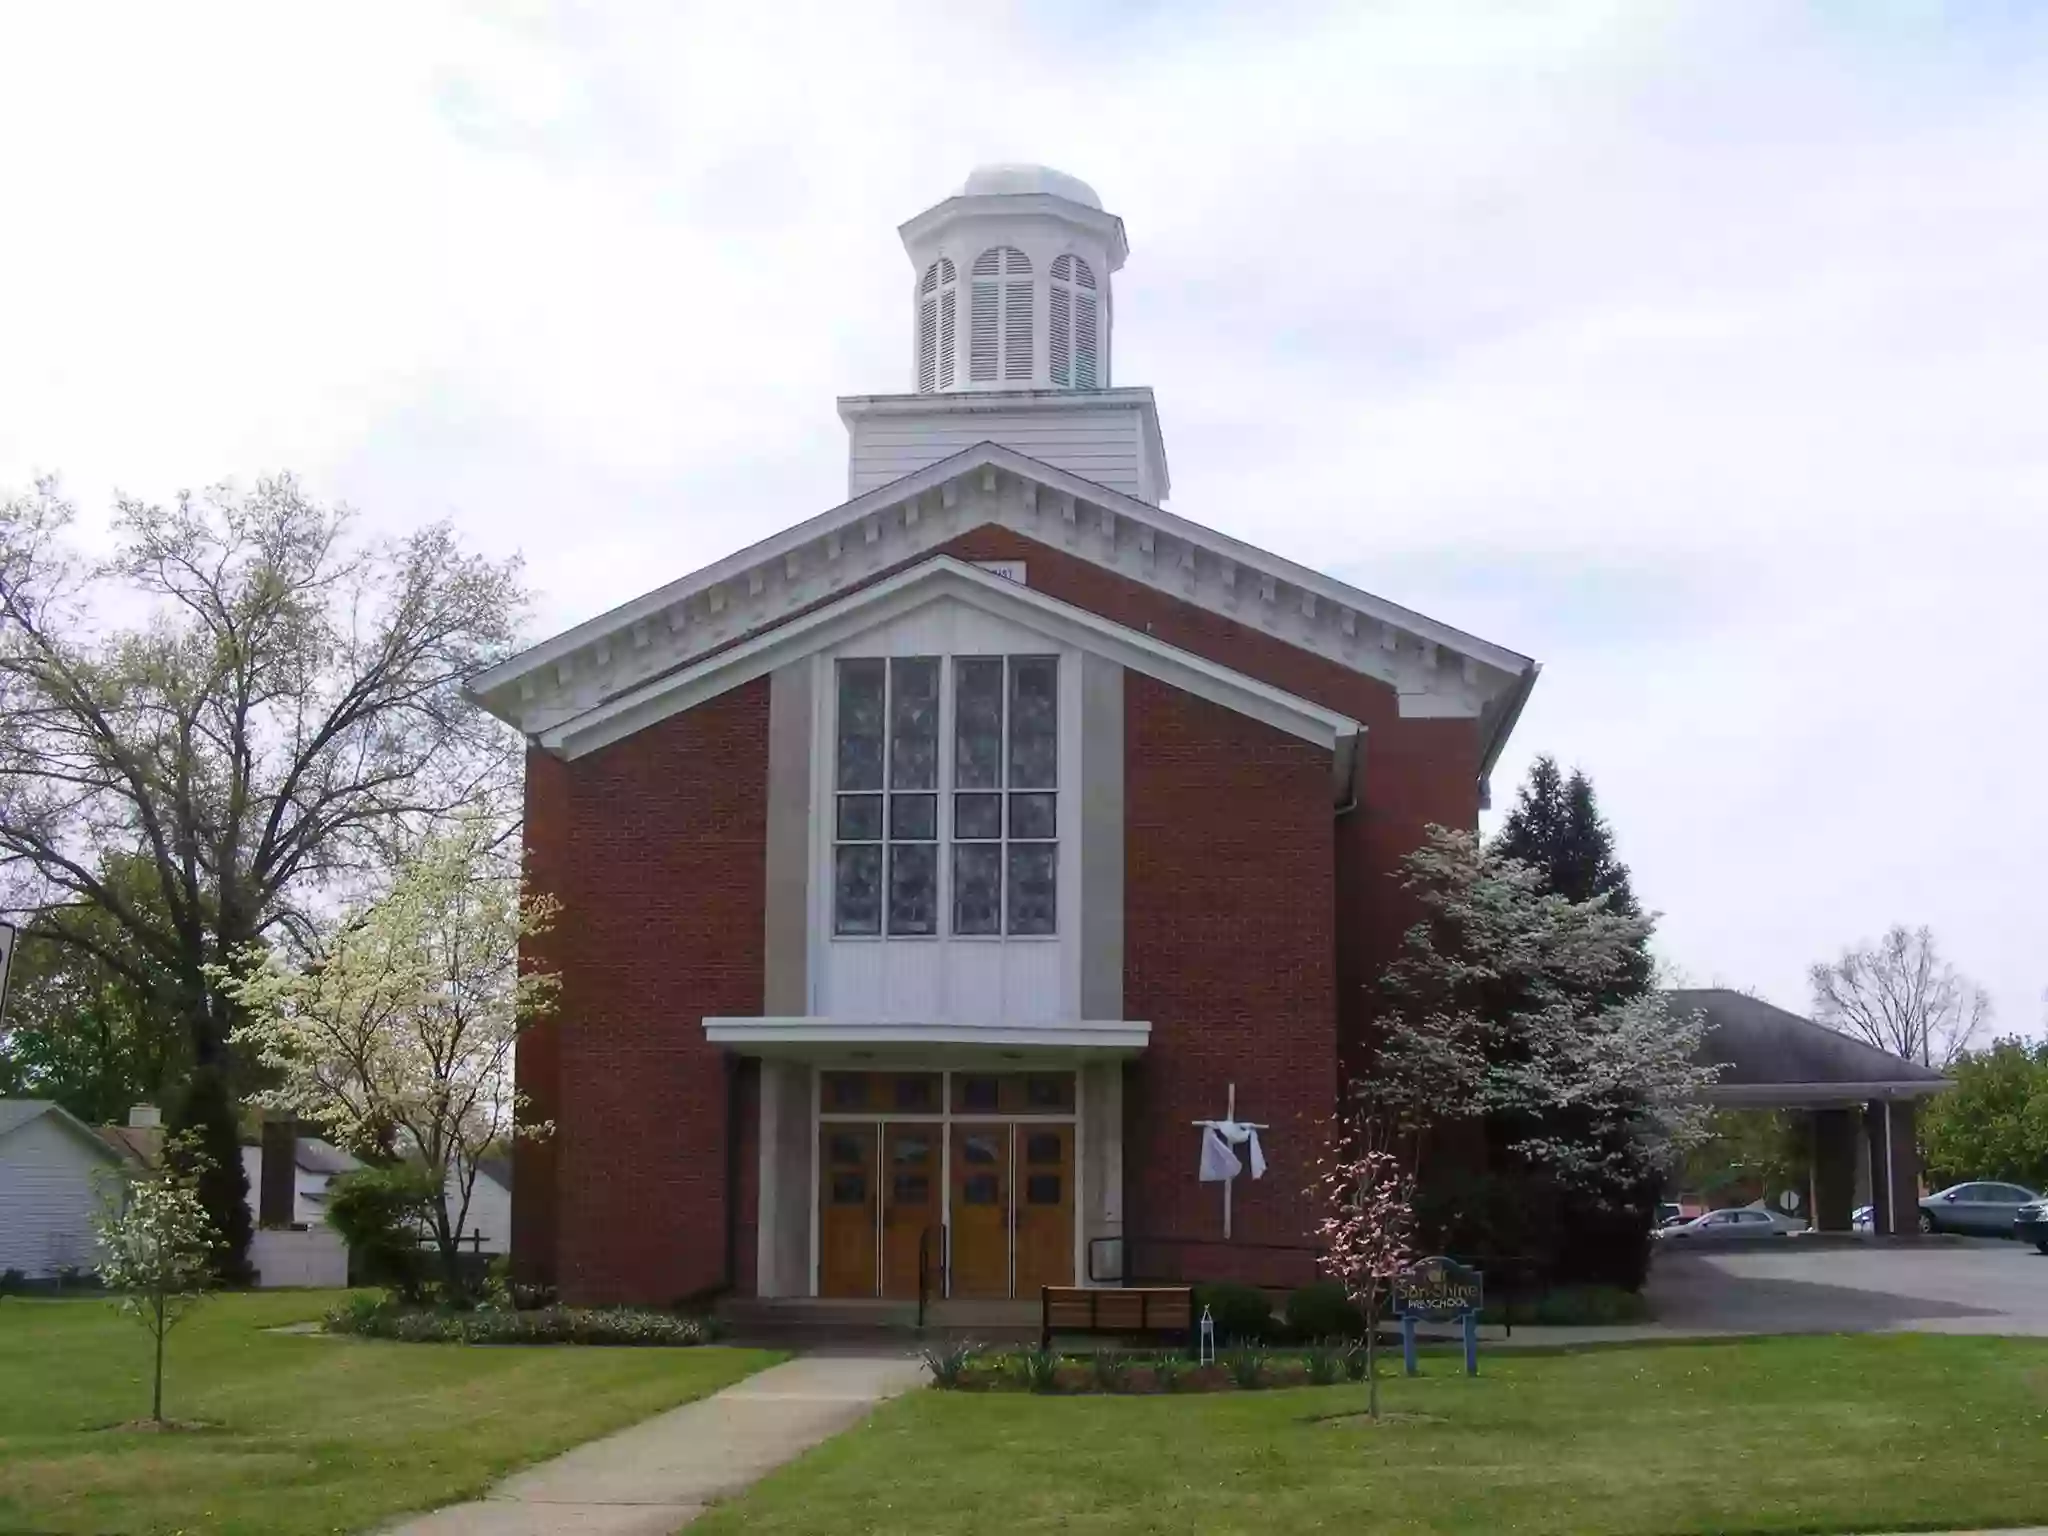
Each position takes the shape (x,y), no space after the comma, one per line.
(932,870)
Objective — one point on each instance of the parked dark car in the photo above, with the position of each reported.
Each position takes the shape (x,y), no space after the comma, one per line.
(2031,1225)
(1986,1209)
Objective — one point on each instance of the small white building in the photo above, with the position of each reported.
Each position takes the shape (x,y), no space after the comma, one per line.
(53,1170)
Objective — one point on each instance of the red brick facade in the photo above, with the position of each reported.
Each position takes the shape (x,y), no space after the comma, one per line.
(1229,952)
(1256,916)
(656,847)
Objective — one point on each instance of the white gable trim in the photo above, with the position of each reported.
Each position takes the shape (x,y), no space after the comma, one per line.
(1435,670)
(942,576)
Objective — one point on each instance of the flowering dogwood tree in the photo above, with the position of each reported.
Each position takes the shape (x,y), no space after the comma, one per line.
(1367,1196)
(397,1034)
(1502,1004)
(156,1250)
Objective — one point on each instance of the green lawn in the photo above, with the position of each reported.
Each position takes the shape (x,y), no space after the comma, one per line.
(302,1434)
(1838,1434)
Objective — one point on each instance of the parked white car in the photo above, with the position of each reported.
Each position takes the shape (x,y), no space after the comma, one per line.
(1749,1221)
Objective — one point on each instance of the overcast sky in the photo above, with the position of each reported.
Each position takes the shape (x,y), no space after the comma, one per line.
(1699,351)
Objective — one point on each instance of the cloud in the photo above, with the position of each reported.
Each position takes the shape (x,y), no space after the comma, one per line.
(1694,349)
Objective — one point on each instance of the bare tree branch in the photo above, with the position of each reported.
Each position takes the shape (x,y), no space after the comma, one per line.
(1899,995)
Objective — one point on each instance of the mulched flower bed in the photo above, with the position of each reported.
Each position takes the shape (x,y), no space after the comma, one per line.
(966,1369)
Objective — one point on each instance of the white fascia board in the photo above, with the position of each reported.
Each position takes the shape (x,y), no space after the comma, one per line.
(1799,1095)
(1123,1036)
(936,577)
(935,475)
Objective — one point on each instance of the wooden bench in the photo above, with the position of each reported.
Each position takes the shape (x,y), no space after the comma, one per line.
(1119,1310)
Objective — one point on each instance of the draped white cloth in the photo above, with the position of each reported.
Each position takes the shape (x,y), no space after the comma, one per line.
(1220,1162)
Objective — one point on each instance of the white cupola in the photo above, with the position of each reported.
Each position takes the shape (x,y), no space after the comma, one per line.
(1012,284)
(1010,324)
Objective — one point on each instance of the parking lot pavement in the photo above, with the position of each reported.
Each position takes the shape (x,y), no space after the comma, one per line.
(1946,1287)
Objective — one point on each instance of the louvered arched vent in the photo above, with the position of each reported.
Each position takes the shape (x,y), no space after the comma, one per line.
(1075,338)
(999,316)
(937,296)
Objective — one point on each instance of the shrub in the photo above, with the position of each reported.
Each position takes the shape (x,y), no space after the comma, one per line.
(1322,1311)
(1246,1365)
(617,1326)
(1589,1305)
(1112,1370)
(380,1213)
(1039,1366)
(71,1277)
(1242,1313)
(12,1282)
(1169,1371)
(1325,1363)
(948,1363)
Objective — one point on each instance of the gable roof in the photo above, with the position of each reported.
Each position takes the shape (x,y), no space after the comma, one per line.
(1434,668)
(1770,1055)
(17,1113)
(932,580)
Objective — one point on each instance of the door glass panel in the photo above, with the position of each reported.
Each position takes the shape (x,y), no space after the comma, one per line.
(1043,1148)
(1049,1092)
(846,1090)
(917,1093)
(849,1149)
(981,1149)
(975,1093)
(981,1189)
(849,1188)
(911,1189)
(1042,1189)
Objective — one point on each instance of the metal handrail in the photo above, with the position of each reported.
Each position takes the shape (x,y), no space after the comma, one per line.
(925,1266)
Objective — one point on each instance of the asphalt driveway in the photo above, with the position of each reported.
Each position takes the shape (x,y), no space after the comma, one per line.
(1941,1286)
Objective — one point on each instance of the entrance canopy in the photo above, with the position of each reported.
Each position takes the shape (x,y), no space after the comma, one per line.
(1860,1102)
(934,1042)
(1772,1059)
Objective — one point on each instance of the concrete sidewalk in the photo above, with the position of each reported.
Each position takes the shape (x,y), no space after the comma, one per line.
(660,1475)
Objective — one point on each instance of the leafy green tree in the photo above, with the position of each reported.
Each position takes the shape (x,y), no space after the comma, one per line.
(82,1032)
(287,703)
(1994,1123)
(156,1246)
(1749,1152)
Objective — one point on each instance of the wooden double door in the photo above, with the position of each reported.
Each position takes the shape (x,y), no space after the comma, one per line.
(992,1203)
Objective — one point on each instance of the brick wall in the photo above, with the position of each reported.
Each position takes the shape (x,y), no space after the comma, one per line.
(1414,772)
(656,847)
(1229,952)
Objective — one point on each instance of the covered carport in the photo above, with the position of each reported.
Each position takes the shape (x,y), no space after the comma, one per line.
(1861,1103)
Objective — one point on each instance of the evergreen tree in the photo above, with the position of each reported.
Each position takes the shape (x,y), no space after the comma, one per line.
(1556,825)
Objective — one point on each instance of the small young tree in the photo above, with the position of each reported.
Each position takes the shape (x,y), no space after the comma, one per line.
(157,1250)
(398,1035)
(1367,1196)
